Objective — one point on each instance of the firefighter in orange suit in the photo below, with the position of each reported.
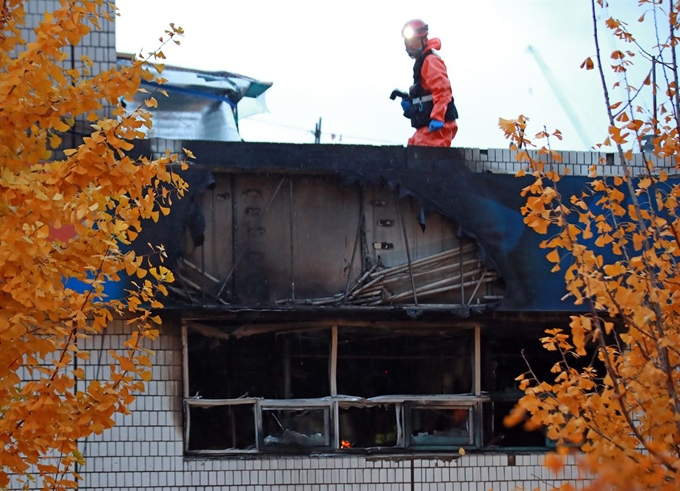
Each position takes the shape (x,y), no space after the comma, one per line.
(430,105)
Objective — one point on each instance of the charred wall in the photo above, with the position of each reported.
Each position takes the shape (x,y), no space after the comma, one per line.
(286,238)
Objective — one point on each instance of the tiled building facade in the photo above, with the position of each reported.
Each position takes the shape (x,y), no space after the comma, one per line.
(99,45)
(146,450)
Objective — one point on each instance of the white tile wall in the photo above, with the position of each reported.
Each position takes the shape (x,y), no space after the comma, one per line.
(99,45)
(576,163)
(145,450)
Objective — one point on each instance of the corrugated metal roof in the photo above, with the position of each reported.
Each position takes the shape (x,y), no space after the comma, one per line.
(201,105)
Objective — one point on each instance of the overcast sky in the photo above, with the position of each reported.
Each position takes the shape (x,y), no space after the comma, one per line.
(339,61)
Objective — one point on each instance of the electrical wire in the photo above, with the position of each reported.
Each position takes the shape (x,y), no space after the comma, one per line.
(341,135)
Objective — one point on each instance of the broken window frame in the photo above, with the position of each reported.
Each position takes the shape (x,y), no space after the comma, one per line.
(474,421)
(293,405)
(210,403)
(347,402)
(471,402)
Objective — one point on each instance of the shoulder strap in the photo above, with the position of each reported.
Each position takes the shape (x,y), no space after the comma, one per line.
(418,66)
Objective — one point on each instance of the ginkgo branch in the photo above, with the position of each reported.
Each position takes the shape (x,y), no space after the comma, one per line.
(676,97)
(641,224)
(625,411)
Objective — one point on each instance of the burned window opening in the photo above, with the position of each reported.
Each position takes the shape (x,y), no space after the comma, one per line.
(222,428)
(296,428)
(508,353)
(439,426)
(368,427)
(269,365)
(375,362)
(499,435)
(365,389)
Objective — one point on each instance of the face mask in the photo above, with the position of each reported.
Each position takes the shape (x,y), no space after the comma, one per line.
(414,53)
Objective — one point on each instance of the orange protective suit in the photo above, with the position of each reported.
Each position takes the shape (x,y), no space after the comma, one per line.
(435,80)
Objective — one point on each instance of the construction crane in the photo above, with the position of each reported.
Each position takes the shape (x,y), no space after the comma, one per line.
(547,73)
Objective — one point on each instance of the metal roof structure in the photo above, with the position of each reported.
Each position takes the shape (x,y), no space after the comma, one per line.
(201,105)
